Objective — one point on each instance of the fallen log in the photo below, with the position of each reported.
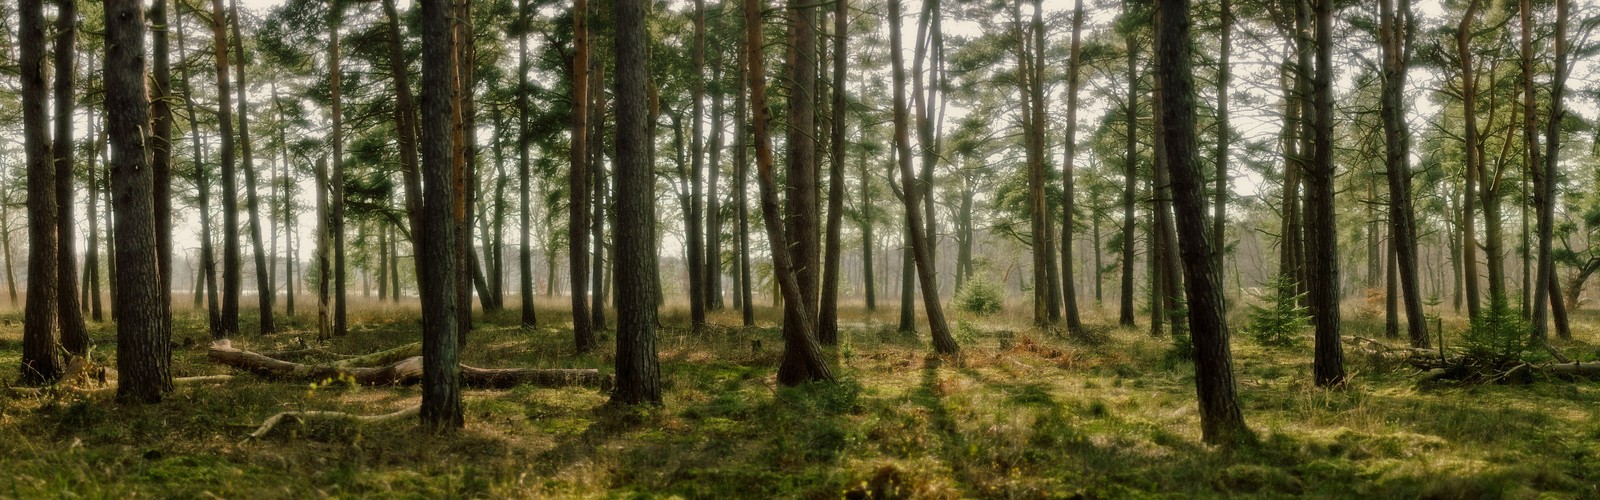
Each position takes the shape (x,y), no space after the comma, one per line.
(406,371)
(1574,369)
(301,416)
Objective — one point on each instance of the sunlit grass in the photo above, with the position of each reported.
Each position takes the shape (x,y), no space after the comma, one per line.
(1023,413)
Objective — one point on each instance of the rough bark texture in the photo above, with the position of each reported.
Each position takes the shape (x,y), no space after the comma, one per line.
(741,166)
(160,141)
(578,181)
(943,342)
(232,279)
(39,360)
(1130,166)
(336,175)
(74,334)
(828,316)
(1221,422)
(144,355)
(1322,233)
(1397,33)
(1469,112)
(800,212)
(441,381)
(398,369)
(802,356)
(638,370)
(264,289)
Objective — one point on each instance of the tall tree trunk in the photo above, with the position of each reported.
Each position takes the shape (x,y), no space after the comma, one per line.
(40,364)
(208,260)
(74,334)
(1219,205)
(828,331)
(1469,111)
(232,279)
(1321,235)
(1069,293)
(1221,422)
(713,227)
(144,355)
(1130,161)
(800,208)
(1547,187)
(943,342)
(693,232)
(638,371)
(868,240)
(802,356)
(91,258)
(324,263)
(741,166)
(1398,32)
(264,288)
(290,278)
(436,256)
(1167,257)
(405,116)
(336,176)
(530,317)
(578,181)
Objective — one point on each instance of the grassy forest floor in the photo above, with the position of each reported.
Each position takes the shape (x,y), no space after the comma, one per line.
(1021,414)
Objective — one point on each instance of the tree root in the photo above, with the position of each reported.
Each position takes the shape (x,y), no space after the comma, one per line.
(301,416)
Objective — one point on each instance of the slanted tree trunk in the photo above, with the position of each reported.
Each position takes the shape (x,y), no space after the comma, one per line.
(802,356)
(1322,233)
(40,363)
(1398,32)
(208,260)
(828,317)
(74,334)
(943,342)
(232,279)
(405,115)
(1221,422)
(436,256)
(1546,292)
(144,355)
(578,181)
(638,371)
(264,288)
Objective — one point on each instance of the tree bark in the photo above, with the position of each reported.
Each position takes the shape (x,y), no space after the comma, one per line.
(1221,422)
(530,317)
(264,288)
(1069,293)
(800,208)
(1398,31)
(1322,233)
(144,355)
(638,371)
(40,363)
(1469,111)
(943,342)
(741,166)
(208,260)
(828,329)
(1130,161)
(802,356)
(436,256)
(578,181)
(74,334)
(232,279)
(336,175)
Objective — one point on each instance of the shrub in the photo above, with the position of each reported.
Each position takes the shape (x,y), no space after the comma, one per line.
(979,297)
(1282,318)
(1499,336)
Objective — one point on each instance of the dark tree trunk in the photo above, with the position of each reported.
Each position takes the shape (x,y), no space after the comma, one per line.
(144,355)
(578,181)
(436,258)
(264,288)
(1552,144)
(713,228)
(1398,32)
(800,208)
(336,176)
(74,334)
(40,364)
(232,279)
(828,329)
(802,356)
(741,166)
(908,291)
(208,260)
(1130,161)
(161,153)
(1219,206)
(324,274)
(693,232)
(638,371)
(405,116)
(91,258)
(530,317)
(943,342)
(1321,235)
(1221,422)
(290,278)
(1069,293)
(1469,111)
(1391,292)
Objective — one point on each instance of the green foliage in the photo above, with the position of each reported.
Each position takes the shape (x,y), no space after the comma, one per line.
(1279,322)
(979,297)
(1499,336)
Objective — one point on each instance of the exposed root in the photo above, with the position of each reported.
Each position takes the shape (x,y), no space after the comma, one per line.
(302,416)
